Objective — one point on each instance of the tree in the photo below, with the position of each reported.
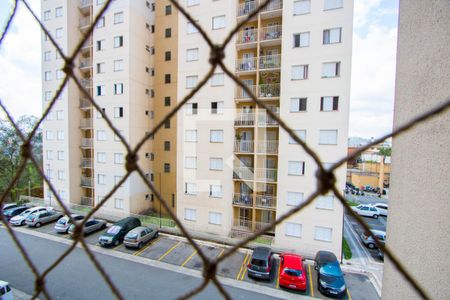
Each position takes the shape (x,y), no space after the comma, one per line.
(10,155)
(385,151)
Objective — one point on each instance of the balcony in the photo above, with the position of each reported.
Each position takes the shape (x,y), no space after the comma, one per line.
(264,119)
(241,94)
(243,200)
(86,83)
(246,65)
(85,104)
(244,119)
(246,8)
(243,146)
(266,175)
(271,35)
(87,143)
(247,38)
(244,173)
(85,6)
(84,24)
(87,182)
(269,90)
(267,147)
(86,123)
(247,225)
(86,163)
(272,10)
(85,64)
(270,62)
(87,201)
(266,201)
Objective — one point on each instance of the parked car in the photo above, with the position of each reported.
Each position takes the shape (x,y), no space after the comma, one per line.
(12,212)
(89,227)
(261,263)
(116,233)
(63,224)
(5,291)
(369,241)
(7,206)
(366,210)
(138,236)
(383,208)
(380,254)
(19,220)
(292,274)
(38,218)
(330,279)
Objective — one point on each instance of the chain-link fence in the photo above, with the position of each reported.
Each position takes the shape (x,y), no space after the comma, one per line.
(325,176)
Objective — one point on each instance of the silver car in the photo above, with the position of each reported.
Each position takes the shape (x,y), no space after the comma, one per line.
(20,219)
(90,226)
(42,217)
(63,224)
(138,236)
(370,242)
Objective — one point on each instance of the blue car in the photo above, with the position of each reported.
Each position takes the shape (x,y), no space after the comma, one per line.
(330,279)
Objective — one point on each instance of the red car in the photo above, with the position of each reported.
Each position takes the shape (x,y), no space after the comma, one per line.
(292,275)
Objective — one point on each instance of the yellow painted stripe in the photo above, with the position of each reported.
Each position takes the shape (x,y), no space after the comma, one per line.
(138,252)
(170,250)
(240,270)
(278,275)
(117,246)
(221,252)
(348,293)
(311,286)
(245,267)
(189,258)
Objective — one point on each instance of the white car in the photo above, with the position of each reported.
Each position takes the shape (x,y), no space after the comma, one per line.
(20,219)
(383,208)
(5,291)
(366,210)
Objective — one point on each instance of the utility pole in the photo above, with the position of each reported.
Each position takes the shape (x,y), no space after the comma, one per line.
(160,192)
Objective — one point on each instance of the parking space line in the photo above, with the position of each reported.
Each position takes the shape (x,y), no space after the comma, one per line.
(278,276)
(245,268)
(311,286)
(170,250)
(138,252)
(221,252)
(117,246)
(240,270)
(348,294)
(189,258)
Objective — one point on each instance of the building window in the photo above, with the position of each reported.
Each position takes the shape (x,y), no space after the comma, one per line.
(168,32)
(216,136)
(58,33)
(49,154)
(101,22)
(59,115)
(59,74)
(301,133)
(191,28)
(215,218)
(118,112)
(332,36)
(168,10)
(60,155)
(331,69)
(49,135)
(298,104)
(118,65)
(47,15)
(152,28)
(190,214)
(100,45)
(118,18)
(215,191)
(217,79)
(190,136)
(100,90)
(328,137)
(117,179)
(294,198)
(99,2)
(167,146)
(61,175)
(166,101)
(47,55)
(166,168)
(192,54)
(58,11)
(329,103)
(190,162)
(48,96)
(167,78)
(217,108)
(167,56)
(293,229)
(332,4)
(296,168)
(116,137)
(216,163)
(191,81)
(101,135)
(49,173)
(48,75)
(101,179)
(190,188)
(325,202)
(118,88)
(218,22)
(101,157)
(299,72)
(167,124)
(118,203)
(323,233)
(118,158)
(100,68)
(191,108)
(302,7)
(118,41)
(192,2)
(301,40)
(60,135)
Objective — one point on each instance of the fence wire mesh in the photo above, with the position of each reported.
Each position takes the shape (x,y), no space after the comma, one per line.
(326,181)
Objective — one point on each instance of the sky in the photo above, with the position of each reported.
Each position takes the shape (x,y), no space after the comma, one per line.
(373,65)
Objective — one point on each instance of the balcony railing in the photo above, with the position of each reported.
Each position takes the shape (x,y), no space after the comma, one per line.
(246,8)
(264,119)
(273,5)
(266,201)
(85,22)
(246,64)
(85,63)
(85,104)
(87,143)
(243,173)
(243,199)
(86,163)
(87,181)
(267,175)
(247,225)
(87,201)
(247,36)
(85,3)
(242,94)
(86,123)
(243,146)
(269,90)
(270,33)
(245,119)
(270,62)
(86,83)
(267,147)
(261,225)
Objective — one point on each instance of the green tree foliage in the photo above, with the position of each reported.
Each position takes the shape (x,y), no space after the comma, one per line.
(10,155)
(385,151)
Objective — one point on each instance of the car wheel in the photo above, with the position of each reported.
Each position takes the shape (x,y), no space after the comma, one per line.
(37,225)
(139,245)
(375,216)
(23,223)
(116,243)
(103,226)
(156,234)
(371,246)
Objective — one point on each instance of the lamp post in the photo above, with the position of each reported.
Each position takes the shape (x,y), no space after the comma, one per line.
(160,192)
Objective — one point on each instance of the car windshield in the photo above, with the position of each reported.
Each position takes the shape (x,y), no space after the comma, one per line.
(360,206)
(25,213)
(62,221)
(292,272)
(114,229)
(72,227)
(258,262)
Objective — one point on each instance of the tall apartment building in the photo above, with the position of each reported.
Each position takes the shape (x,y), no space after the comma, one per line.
(223,164)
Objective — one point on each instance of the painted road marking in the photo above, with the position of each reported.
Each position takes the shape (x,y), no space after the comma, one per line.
(170,250)
(221,252)
(242,265)
(311,287)
(189,258)
(348,294)
(138,252)
(245,268)
(117,246)
(278,276)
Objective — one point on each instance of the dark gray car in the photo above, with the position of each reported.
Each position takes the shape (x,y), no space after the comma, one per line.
(90,226)
(261,263)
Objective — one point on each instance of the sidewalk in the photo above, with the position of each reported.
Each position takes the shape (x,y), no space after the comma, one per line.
(19,295)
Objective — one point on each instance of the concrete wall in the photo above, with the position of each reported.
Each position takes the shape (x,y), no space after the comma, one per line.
(419,213)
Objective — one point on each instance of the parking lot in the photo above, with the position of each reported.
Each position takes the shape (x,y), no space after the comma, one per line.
(177,251)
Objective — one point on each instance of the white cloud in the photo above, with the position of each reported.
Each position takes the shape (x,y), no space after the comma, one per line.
(362,10)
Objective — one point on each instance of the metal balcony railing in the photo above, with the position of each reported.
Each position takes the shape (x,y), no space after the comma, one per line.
(267,147)
(270,62)
(261,225)
(267,175)
(87,181)
(244,119)
(87,143)
(85,3)
(247,36)
(240,93)
(273,5)
(269,90)
(86,83)
(84,22)
(85,63)
(243,173)
(270,33)
(242,224)
(243,146)
(266,201)
(86,123)
(246,64)
(246,8)
(86,163)
(87,201)
(85,104)
(243,199)
(265,120)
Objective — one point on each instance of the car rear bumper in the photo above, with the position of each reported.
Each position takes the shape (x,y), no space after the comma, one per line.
(61,229)
(301,286)
(256,274)
(131,244)
(16,222)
